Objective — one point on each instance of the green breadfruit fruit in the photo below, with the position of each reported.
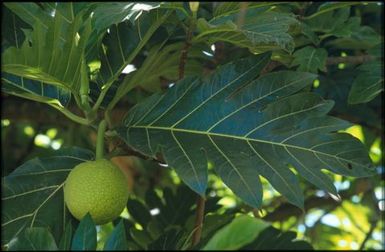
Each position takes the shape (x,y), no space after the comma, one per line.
(98,187)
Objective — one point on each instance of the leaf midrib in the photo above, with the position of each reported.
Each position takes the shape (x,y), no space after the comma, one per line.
(209,134)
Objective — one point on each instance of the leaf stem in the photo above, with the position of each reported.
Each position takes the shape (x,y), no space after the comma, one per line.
(70,115)
(100,139)
(200,213)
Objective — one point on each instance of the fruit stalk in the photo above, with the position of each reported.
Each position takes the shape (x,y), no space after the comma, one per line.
(100,140)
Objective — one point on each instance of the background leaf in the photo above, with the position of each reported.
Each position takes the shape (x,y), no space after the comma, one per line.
(85,235)
(227,8)
(368,83)
(274,239)
(261,31)
(33,239)
(38,182)
(65,240)
(310,59)
(117,239)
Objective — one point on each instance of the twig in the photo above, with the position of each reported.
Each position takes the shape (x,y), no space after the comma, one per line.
(350,59)
(373,225)
(242,12)
(186,47)
(329,61)
(269,67)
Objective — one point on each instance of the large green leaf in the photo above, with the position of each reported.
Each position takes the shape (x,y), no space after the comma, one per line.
(37,187)
(46,57)
(246,127)
(368,83)
(33,239)
(310,59)
(261,31)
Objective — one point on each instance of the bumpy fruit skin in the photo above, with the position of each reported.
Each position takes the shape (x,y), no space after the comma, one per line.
(98,187)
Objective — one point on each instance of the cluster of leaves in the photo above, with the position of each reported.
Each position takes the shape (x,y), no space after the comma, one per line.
(234,117)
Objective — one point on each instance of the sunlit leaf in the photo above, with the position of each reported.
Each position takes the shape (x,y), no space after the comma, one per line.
(240,232)
(116,54)
(46,57)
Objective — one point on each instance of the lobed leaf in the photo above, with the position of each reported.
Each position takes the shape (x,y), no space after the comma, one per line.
(247,128)
(20,86)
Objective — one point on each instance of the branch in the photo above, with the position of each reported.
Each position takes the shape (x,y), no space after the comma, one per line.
(200,211)
(18,109)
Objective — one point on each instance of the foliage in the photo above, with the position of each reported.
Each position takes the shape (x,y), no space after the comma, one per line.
(271,109)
